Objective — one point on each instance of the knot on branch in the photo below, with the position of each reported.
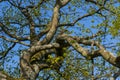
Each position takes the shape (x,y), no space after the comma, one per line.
(117,60)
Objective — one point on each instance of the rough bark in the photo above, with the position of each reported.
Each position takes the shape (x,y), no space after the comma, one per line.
(30,71)
(27,71)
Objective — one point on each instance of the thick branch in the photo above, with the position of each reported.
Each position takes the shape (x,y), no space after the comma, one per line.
(108,56)
(54,24)
(103,52)
(39,55)
(75,45)
(27,71)
(30,71)
(40,66)
(55,20)
(35,49)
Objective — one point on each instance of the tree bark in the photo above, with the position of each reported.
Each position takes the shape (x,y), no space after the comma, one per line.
(27,70)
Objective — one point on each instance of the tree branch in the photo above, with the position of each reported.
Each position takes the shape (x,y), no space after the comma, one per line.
(48,26)
(5,29)
(26,13)
(53,26)
(32,25)
(6,52)
(55,20)
(38,56)
(36,6)
(108,56)
(35,49)
(75,21)
(40,66)
(101,5)
(75,45)
(14,41)
(88,37)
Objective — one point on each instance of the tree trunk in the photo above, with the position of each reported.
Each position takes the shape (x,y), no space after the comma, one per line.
(27,70)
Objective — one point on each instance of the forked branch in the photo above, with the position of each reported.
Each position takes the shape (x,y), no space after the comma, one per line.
(108,56)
